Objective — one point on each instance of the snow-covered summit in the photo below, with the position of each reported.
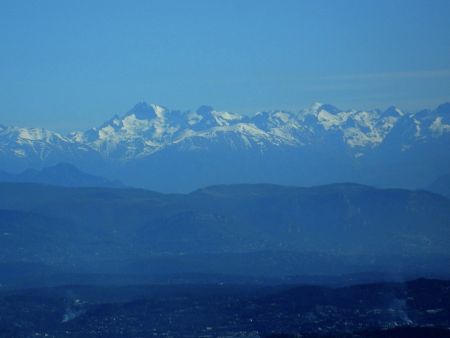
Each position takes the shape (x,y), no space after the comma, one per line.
(149,128)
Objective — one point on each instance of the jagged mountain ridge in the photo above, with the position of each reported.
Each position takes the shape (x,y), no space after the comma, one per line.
(152,139)
(149,128)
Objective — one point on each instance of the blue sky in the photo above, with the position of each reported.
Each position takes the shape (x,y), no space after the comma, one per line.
(72,64)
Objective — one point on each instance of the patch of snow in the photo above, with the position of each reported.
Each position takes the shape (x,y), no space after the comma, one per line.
(418,128)
(438,127)
(328,120)
(147,129)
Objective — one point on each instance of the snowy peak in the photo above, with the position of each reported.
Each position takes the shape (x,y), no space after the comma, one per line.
(329,108)
(314,108)
(150,128)
(208,117)
(393,112)
(204,110)
(144,111)
(30,136)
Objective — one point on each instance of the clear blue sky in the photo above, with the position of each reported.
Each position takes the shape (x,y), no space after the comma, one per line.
(72,64)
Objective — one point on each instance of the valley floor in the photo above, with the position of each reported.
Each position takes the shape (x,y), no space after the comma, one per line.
(420,308)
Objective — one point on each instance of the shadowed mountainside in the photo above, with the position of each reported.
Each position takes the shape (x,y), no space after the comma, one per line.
(259,229)
(62,174)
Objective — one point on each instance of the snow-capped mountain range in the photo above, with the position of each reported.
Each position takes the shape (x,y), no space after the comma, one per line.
(149,139)
(147,129)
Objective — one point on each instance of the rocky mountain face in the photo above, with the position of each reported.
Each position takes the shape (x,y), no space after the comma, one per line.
(170,150)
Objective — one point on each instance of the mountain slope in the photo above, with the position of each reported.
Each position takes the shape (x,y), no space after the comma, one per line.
(126,228)
(62,174)
(178,151)
(441,186)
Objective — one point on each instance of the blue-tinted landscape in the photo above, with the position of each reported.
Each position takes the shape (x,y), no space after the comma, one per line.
(225,169)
